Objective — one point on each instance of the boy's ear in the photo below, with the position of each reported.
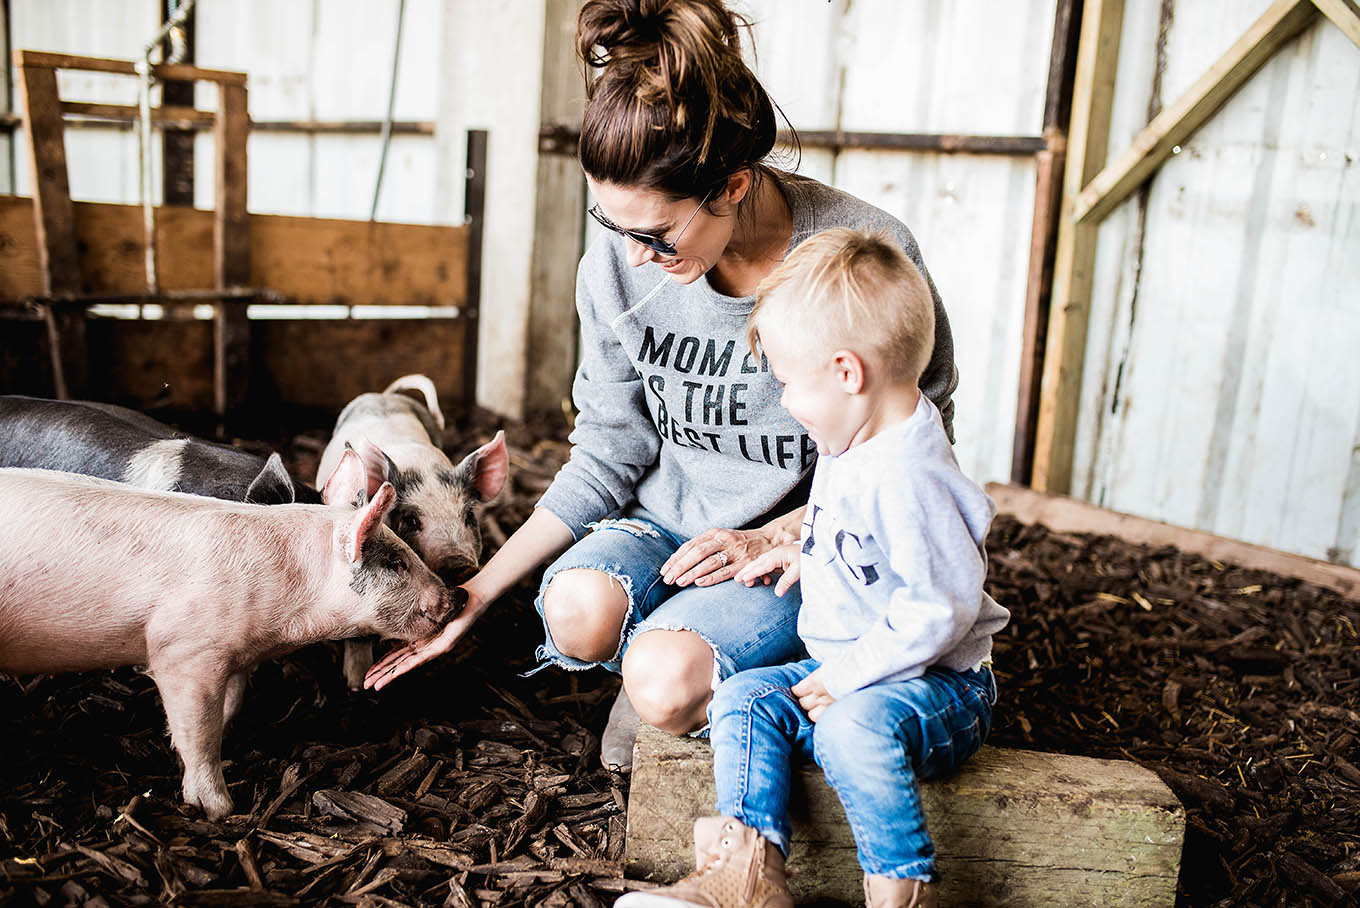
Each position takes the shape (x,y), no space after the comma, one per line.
(849,371)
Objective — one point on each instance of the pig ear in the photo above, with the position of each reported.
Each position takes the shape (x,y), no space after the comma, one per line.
(378,466)
(273,485)
(348,483)
(488,465)
(368,520)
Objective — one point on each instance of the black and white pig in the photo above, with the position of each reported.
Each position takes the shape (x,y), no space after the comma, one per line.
(111,442)
(96,574)
(398,439)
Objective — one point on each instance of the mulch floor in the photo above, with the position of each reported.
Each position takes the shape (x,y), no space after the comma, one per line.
(467,784)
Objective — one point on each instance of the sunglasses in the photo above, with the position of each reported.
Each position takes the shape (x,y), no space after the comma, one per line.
(651,241)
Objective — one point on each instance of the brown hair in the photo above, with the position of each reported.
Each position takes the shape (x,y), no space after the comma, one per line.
(674,107)
(845,288)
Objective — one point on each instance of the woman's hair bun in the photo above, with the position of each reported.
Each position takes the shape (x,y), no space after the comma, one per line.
(673,67)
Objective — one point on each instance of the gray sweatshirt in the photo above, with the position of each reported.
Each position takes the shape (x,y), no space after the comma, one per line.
(676,418)
(893,560)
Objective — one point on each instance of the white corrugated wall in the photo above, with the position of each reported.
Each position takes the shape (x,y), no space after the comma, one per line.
(1222,386)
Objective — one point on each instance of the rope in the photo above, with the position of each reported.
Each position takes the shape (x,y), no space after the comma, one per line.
(386,137)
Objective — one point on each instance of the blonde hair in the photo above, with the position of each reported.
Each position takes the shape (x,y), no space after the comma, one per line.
(854,290)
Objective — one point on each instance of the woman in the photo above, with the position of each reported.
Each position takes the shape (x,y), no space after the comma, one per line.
(680,438)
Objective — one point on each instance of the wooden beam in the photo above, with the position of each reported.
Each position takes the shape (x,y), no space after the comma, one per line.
(1069,515)
(1011,828)
(561,138)
(164,71)
(187,117)
(1048,168)
(1345,15)
(1278,25)
(1065,345)
(231,249)
(305,260)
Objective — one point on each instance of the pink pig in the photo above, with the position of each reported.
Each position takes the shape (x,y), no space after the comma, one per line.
(95,574)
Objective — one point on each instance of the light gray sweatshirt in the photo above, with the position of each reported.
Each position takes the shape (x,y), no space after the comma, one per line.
(676,417)
(893,560)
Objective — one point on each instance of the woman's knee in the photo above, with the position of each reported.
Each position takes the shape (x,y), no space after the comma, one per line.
(669,677)
(584,610)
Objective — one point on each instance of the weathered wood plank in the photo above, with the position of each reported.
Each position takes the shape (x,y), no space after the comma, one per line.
(172,71)
(1012,828)
(1070,515)
(307,260)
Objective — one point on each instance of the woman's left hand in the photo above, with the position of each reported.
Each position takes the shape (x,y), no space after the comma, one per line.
(715,556)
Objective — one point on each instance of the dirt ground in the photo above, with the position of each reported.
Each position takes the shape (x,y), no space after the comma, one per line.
(468,784)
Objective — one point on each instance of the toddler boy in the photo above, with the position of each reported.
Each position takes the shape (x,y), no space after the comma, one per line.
(899,684)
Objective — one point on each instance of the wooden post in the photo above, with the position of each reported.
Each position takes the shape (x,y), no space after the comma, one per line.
(231,249)
(6,112)
(558,223)
(177,169)
(1048,168)
(474,216)
(1011,827)
(55,225)
(1065,346)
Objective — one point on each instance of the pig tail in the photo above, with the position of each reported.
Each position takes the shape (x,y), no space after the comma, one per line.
(670,103)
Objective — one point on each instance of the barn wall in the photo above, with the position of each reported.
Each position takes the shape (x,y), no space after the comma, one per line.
(1221,388)
(887,66)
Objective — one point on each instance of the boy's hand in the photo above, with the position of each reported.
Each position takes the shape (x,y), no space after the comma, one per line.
(812,695)
(784,558)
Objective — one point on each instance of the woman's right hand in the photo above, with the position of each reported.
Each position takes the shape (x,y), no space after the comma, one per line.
(537,540)
(416,653)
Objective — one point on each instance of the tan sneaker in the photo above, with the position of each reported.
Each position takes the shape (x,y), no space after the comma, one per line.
(886,892)
(736,868)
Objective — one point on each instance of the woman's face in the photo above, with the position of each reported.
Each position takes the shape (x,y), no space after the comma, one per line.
(698,245)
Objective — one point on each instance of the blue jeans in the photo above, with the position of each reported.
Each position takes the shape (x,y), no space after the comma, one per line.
(746,626)
(872,745)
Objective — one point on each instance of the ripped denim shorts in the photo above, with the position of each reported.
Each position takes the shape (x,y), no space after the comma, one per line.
(747,627)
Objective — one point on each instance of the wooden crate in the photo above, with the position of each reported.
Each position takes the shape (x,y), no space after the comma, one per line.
(1012,827)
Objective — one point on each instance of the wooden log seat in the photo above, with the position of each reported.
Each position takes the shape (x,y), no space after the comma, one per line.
(1012,827)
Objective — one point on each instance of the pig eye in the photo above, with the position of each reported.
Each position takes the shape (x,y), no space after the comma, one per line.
(406,523)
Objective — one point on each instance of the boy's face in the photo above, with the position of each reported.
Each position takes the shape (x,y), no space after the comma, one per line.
(813,392)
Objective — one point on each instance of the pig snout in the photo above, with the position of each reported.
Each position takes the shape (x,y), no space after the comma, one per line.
(433,610)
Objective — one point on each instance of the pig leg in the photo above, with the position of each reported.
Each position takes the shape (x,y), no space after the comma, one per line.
(358,660)
(194,693)
(236,691)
